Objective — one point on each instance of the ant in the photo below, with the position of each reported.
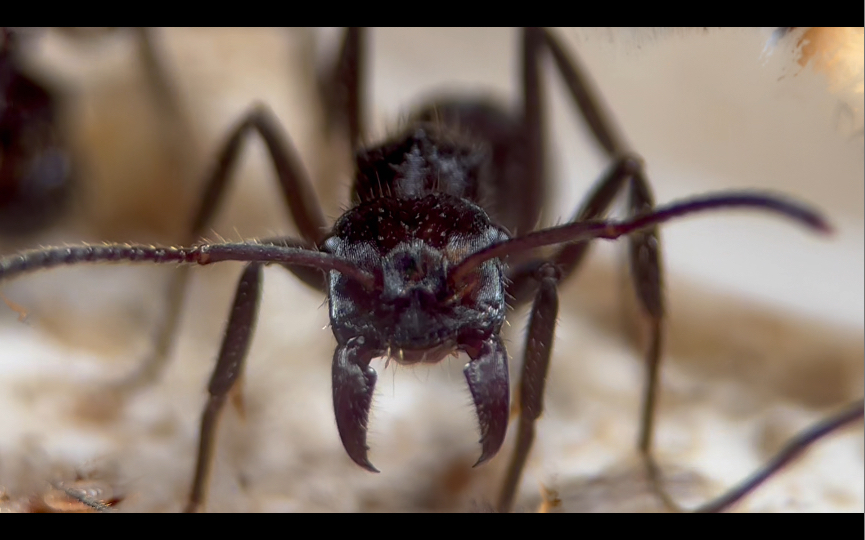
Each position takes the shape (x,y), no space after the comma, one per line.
(36,174)
(494,214)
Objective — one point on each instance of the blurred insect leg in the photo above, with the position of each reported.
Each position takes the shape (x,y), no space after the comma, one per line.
(299,197)
(792,450)
(644,248)
(229,366)
(535,41)
(296,187)
(341,87)
(645,264)
(525,280)
(522,284)
(533,189)
(644,254)
(536,363)
(625,165)
(178,137)
(584,95)
(178,143)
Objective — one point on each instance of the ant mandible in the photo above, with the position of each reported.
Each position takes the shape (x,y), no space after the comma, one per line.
(437,242)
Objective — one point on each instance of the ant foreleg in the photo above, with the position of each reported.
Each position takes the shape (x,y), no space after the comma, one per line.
(229,367)
(525,281)
(299,197)
(539,346)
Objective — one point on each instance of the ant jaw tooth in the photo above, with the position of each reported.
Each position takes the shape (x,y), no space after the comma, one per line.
(353,387)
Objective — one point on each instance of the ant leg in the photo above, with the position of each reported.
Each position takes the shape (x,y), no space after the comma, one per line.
(539,345)
(342,90)
(299,197)
(790,452)
(534,189)
(644,247)
(229,366)
(645,263)
(541,277)
(296,187)
(626,165)
(522,285)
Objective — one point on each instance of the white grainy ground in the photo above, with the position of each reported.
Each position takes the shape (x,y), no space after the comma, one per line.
(766,321)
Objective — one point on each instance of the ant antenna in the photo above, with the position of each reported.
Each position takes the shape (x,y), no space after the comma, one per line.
(584,231)
(201,254)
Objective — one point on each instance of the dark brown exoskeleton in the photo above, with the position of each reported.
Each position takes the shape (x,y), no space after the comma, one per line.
(438,241)
(36,174)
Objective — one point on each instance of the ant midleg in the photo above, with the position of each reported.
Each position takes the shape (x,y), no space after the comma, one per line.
(644,246)
(300,198)
(306,213)
(229,366)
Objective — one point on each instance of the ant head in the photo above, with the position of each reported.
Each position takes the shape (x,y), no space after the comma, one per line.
(414,312)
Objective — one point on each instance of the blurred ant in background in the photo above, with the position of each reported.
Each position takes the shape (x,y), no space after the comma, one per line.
(36,172)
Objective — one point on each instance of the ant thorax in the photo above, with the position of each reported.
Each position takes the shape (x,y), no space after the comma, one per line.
(407,230)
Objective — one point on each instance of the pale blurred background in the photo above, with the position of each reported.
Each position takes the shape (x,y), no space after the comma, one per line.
(765,334)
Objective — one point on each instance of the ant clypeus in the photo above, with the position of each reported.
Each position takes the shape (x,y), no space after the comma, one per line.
(512,225)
